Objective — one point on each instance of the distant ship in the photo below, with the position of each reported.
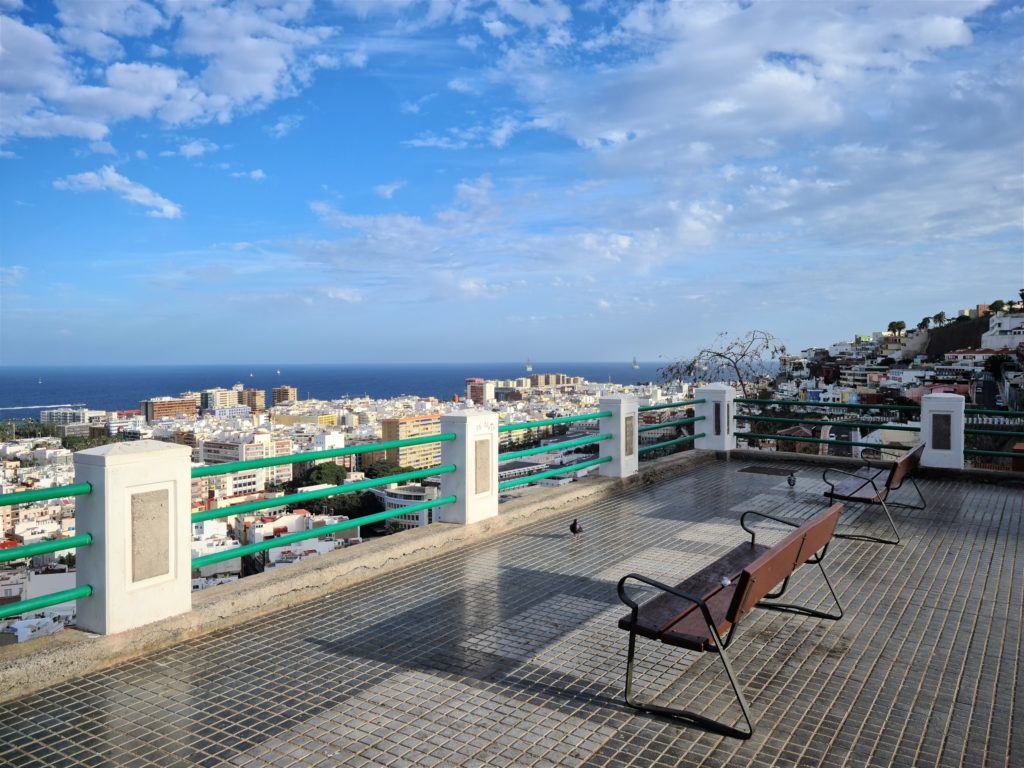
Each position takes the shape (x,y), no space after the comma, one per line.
(635,363)
(279,373)
(529,367)
(40,379)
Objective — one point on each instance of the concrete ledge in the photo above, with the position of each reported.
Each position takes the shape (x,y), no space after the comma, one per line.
(32,666)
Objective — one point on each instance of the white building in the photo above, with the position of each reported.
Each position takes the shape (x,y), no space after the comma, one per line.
(1004,330)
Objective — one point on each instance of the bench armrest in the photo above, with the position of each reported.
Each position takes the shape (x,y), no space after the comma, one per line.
(832,484)
(635,607)
(753,535)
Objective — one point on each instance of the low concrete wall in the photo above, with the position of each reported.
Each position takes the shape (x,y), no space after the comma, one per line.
(38,664)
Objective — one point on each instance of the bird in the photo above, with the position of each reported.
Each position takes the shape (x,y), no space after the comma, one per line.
(575,529)
(791,479)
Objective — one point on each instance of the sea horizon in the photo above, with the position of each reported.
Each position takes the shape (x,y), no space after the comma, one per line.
(25,390)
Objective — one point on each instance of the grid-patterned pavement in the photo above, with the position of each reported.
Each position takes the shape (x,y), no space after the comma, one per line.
(506,653)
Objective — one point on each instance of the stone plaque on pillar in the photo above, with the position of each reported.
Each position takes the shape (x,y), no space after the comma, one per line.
(941,432)
(482,463)
(630,425)
(150,546)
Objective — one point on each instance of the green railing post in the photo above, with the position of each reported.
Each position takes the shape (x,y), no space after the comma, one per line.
(139,562)
(623,426)
(474,452)
(719,412)
(942,431)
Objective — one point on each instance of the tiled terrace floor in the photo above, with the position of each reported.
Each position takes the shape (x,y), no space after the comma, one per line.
(506,653)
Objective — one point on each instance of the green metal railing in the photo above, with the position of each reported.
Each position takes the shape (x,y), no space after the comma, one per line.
(762,436)
(821,423)
(35,603)
(667,443)
(334,490)
(552,473)
(551,422)
(681,404)
(509,455)
(296,458)
(291,538)
(42,494)
(815,404)
(44,547)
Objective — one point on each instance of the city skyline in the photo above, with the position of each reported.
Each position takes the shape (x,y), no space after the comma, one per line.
(457,180)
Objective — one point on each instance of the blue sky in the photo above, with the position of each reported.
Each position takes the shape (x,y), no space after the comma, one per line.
(193,181)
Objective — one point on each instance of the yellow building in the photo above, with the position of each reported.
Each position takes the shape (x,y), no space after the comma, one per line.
(414,456)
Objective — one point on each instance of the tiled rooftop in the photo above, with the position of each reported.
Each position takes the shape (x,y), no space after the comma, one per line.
(506,652)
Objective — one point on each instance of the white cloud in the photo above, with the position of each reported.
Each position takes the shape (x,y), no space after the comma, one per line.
(91,26)
(348,295)
(357,59)
(141,154)
(256,175)
(388,190)
(197,148)
(12,276)
(461,85)
(103,148)
(285,125)
(109,179)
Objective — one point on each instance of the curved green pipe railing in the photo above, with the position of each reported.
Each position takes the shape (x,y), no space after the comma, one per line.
(553,447)
(781,420)
(1006,454)
(813,404)
(677,441)
(548,422)
(993,433)
(334,490)
(980,412)
(651,427)
(551,473)
(35,603)
(291,538)
(41,494)
(295,458)
(760,436)
(43,547)
(671,405)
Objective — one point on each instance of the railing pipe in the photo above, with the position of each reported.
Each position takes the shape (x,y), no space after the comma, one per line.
(652,427)
(759,436)
(553,447)
(549,422)
(982,412)
(1006,454)
(813,404)
(43,547)
(782,420)
(335,490)
(552,473)
(677,441)
(681,404)
(291,538)
(993,433)
(41,494)
(295,458)
(44,601)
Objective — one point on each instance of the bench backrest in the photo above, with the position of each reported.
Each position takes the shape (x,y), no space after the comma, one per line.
(774,566)
(904,465)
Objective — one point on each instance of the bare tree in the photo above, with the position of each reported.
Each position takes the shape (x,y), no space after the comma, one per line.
(743,359)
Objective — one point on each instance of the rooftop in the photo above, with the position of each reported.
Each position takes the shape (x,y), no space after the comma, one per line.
(504,651)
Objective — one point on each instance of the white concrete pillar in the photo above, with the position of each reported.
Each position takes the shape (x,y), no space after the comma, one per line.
(622,425)
(139,514)
(719,412)
(474,452)
(942,431)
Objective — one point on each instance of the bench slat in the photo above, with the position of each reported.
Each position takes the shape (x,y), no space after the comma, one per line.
(666,609)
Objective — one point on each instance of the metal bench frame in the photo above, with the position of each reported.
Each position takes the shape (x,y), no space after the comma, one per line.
(738,607)
(899,470)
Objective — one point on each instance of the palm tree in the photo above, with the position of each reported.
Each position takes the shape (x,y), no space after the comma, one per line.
(939,318)
(923,325)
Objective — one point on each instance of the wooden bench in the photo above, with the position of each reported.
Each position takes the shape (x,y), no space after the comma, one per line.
(873,484)
(697,612)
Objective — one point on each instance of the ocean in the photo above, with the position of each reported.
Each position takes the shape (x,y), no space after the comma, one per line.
(25,390)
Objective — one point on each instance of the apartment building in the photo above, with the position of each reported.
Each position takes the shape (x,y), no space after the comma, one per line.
(223,449)
(283,394)
(158,408)
(415,456)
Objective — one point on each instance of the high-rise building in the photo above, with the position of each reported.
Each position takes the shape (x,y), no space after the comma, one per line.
(415,456)
(212,399)
(157,408)
(283,394)
(245,446)
(256,399)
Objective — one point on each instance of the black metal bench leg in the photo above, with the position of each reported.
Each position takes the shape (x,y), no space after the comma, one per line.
(686,716)
(876,539)
(803,611)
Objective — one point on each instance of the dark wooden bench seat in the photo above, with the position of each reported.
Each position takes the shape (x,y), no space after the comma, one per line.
(702,612)
(873,484)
